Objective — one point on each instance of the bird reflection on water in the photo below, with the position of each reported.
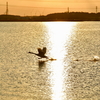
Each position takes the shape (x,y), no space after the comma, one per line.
(41,64)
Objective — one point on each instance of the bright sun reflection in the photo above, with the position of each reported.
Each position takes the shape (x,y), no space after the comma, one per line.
(59,33)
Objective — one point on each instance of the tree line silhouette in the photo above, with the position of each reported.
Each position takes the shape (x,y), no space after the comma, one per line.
(65,16)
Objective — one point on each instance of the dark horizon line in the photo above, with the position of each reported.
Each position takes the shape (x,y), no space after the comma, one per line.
(63,16)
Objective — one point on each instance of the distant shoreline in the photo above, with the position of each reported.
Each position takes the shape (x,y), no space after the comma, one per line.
(66,16)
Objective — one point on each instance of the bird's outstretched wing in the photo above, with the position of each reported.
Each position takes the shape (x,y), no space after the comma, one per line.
(44,50)
(40,52)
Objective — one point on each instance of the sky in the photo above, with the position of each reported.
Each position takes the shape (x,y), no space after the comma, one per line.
(44,7)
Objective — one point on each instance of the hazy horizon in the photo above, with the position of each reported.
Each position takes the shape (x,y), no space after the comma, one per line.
(44,7)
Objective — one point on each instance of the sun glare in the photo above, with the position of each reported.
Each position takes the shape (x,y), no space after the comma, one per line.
(59,34)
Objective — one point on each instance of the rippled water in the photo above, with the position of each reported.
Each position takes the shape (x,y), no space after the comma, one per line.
(72,76)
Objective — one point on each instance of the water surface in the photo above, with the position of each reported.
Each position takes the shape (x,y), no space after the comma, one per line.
(73,76)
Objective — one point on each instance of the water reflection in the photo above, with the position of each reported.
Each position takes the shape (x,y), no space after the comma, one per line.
(59,34)
(41,64)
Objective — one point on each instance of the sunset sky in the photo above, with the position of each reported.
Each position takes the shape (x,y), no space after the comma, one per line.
(43,7)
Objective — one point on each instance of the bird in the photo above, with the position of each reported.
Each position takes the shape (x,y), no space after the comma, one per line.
(41,52)
(95,58)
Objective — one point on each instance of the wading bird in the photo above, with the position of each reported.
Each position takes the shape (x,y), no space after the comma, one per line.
(41,52)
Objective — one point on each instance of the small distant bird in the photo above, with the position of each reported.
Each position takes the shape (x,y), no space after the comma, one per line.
(96,58)
(41,52)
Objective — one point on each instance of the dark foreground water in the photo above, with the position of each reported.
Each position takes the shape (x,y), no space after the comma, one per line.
(74,75)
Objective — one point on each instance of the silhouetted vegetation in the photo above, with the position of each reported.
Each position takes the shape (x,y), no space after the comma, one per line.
(13,18)
(72,16)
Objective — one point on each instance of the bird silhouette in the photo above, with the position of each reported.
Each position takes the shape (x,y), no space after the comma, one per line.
(41,52)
